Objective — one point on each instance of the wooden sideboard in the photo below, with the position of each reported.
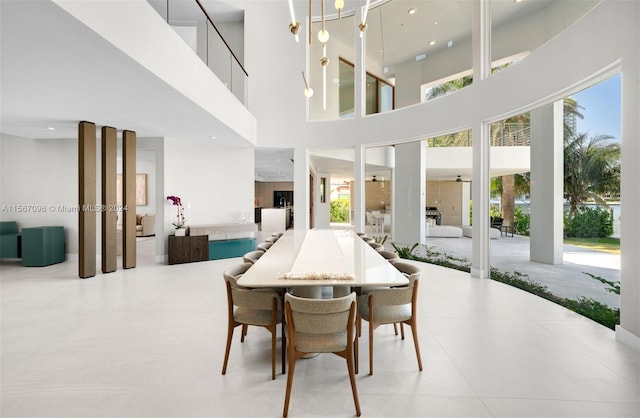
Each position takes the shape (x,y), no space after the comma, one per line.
(188,249)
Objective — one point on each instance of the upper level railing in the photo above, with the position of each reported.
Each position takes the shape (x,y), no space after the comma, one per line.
(502,134)
(192,22)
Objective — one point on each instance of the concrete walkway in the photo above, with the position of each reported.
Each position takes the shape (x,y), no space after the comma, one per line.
(510,254)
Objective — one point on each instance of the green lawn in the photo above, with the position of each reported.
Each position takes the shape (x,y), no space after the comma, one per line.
(609,245)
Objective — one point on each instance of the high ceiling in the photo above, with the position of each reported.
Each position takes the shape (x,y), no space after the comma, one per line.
(395,36)
(47,89)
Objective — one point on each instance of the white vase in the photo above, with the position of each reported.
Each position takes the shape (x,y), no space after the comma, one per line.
(181,232)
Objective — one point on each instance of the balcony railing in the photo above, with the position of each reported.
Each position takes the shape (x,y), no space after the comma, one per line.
(501,134)
(194,24)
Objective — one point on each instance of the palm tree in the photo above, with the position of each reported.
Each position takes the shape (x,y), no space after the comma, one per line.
(450,86)
(591,169)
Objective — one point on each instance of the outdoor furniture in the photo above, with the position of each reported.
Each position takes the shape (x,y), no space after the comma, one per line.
(442,231)
(506,229)
(467,231)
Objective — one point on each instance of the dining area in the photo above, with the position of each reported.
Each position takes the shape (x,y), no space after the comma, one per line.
(150,342)
(313,290)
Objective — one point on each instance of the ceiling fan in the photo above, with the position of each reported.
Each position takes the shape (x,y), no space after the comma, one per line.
(459,180)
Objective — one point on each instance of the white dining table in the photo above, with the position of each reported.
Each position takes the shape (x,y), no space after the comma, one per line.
(321,257)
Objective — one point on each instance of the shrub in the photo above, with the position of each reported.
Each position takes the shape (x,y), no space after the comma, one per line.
(339,210)
(589,223)
(521,222)
(588,307)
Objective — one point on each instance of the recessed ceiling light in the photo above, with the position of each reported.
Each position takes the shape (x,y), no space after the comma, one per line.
(51,128)
(517,1)
(432,43)
(411,11)
(435,23)
(213,137)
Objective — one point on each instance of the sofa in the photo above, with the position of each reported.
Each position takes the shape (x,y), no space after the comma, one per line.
(441,231)
(145,225)
(494,233)
(9,240)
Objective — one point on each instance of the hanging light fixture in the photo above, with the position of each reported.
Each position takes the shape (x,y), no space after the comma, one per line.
(339,4)
(363,24)
(308,91)
(294,26)
(323,37)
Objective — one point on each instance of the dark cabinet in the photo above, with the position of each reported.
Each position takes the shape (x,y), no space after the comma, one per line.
(257,216)
(188,248)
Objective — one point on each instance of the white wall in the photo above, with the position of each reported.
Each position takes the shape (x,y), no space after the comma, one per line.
(42,173)
(215,183)
(178,66)
(146,164)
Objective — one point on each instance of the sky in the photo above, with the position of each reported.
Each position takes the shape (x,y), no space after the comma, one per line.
(601,108)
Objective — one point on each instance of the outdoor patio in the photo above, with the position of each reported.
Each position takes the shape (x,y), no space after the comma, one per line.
(511,254)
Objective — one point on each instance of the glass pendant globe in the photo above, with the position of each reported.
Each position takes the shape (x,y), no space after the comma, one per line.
(323,36)
(308,92)
(339,4)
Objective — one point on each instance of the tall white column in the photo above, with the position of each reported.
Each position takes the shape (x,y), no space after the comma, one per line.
(358,193)
(300,188)
(628,332)
(547,184)
(409,196)
(480,188)
(360,70)
(481,40)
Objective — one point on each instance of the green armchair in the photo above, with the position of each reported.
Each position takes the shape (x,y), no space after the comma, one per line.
(42,246)
(9,240)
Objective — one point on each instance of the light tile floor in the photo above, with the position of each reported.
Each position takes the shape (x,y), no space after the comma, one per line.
(149,342)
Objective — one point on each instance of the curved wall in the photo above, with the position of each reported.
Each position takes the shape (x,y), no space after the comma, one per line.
(601,43)
(585,53)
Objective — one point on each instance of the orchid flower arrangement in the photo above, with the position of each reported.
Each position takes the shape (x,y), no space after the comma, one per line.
(180,221)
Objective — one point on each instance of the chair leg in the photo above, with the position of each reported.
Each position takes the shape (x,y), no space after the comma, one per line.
(284,349)
(226,353)
(274,331)
(287,396)
(395,327)
(401,331)
(370,348)
(356,354)
(244,332)
(352,378)
(414,330)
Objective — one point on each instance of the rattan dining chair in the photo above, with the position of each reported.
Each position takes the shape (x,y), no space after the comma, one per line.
(390,306)
(252,256)
(264,246)
(272,239)
(259,307)
(390,256)
(321,326)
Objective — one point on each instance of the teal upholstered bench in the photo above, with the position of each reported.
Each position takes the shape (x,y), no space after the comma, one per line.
(9,240)
(229,248)
(42,246)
